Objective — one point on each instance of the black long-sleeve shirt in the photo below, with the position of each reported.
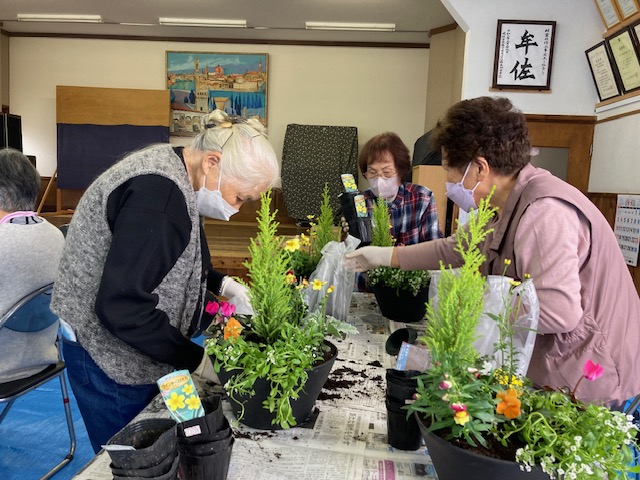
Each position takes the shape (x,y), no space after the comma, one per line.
(148,218)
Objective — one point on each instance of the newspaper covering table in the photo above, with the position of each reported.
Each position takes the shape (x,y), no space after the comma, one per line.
(347,436)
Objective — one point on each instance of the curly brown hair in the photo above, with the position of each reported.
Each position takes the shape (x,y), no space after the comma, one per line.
(386,142)
(489,127)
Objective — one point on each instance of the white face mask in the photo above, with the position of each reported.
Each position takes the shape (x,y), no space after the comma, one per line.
(212,205)
(386,188)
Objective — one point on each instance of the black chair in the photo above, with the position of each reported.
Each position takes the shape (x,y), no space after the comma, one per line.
(32,313)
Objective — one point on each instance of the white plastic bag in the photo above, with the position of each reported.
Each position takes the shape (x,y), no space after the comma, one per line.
(524,301)
(331,269)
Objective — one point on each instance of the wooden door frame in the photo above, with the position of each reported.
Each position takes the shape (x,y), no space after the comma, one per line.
(574,132)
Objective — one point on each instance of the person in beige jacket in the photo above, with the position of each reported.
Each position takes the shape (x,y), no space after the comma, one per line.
(589,306)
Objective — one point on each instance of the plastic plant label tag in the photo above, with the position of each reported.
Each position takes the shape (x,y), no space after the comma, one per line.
(349,182)
(361,205)
(413,357)
(180,396)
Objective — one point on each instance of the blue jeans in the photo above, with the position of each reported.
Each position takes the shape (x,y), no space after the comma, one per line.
(105,406)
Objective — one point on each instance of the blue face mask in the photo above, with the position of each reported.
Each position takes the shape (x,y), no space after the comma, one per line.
(212,205)
(461,196)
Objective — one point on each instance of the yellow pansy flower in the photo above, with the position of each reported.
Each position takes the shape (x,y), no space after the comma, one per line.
(193,402)
(175,401)
(292,245)
(187,389)
(318,284)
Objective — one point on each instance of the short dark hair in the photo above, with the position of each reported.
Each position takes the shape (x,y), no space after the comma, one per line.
(386,142)
(19,181)
(489,127)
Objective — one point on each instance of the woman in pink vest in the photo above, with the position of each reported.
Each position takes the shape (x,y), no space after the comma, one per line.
(589,306)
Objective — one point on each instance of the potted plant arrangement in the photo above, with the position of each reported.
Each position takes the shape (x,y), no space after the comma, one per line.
(305,251)
(480,419)
(401,294)
(274,363)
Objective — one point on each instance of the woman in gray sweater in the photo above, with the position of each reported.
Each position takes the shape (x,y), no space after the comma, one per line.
(30,251)
(136,265)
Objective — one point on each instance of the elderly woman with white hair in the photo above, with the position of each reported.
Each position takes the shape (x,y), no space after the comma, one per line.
(136,265)
(30,251)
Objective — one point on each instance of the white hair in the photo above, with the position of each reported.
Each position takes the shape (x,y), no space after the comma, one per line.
(247,155)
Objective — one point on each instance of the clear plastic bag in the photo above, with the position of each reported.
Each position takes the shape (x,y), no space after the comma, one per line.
(523,304)
(331,269)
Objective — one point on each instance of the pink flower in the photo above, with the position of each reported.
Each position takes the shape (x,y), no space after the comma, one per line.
(445,385)
(227,309)
(212,308)
(458,407)
(592,370)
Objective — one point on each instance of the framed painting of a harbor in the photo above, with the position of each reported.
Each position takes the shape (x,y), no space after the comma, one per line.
(200,82)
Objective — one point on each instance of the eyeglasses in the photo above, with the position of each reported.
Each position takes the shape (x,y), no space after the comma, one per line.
(369,174)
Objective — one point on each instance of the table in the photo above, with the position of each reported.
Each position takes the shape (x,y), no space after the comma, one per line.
(347,437)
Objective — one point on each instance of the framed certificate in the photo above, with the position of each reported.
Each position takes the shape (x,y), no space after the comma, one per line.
(625,59)
(608,12)
(524,52)
(627,8)
(635,31)
(604,75)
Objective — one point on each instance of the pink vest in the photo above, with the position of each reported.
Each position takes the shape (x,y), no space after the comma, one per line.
(609,332)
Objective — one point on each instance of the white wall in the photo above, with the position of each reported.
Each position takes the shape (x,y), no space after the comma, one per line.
(578,28)
(374,89)
(615,166)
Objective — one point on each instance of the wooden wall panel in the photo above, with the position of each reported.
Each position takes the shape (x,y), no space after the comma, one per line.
(112,106)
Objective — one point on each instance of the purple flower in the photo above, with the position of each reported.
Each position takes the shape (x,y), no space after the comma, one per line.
(227,309)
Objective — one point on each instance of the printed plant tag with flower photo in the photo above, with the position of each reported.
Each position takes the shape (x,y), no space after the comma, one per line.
(180,396)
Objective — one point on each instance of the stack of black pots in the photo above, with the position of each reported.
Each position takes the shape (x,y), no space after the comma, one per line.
(205,444)
(402,433)
(155,455)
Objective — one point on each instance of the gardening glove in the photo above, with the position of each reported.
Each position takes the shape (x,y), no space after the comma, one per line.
(205,370)
(368,258)
(237,295)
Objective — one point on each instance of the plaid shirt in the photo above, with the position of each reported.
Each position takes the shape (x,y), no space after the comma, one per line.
(413,214)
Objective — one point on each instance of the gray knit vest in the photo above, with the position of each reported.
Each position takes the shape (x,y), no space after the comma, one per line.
(86,248)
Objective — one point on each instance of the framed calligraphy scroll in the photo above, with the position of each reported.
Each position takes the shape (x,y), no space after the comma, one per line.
(603,72)
(524,53)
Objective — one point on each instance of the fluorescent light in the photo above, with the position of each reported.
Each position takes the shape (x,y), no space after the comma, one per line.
(61,18)
(202,22)
(370,27)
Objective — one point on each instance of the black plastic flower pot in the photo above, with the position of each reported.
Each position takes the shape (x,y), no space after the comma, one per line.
(206,449)
(212,422)
(454,463)
(211,437)
(397,338)
(256,416)
(211,467)
(402,432)
(401,305)
(401,385)
(167,465)
(154,440)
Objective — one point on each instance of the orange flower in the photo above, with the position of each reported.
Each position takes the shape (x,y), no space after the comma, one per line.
(232,329)
(509,405)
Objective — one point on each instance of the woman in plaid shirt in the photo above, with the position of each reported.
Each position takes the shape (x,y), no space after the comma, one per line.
(385,162)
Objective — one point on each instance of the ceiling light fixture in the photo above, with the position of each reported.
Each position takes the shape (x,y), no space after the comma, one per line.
(364,27)
(58,18)
(202,22)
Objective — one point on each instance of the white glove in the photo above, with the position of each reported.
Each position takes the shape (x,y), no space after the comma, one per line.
(205,370)
(368,258)
(237,295)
